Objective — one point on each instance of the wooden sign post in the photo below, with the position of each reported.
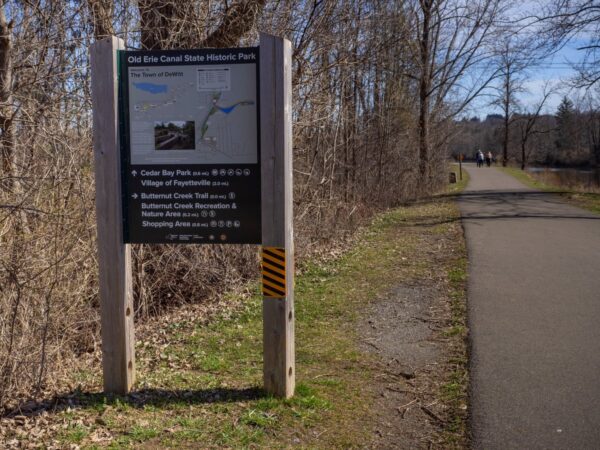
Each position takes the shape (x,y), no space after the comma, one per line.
(277,215)
(114,256)
(130,171)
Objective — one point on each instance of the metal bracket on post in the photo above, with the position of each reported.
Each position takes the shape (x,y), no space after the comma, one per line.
(114,257)
(277,215)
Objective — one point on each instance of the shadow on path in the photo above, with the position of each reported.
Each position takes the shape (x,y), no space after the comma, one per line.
(519,204)
(137,399)
(498,205)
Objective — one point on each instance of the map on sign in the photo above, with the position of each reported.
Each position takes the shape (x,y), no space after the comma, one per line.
(193,114)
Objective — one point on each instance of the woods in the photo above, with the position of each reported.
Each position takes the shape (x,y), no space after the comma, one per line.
(568,137)
(379,87)
(353,146)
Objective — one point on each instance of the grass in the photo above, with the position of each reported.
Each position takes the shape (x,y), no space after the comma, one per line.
(200,384)
(586,200)
(74,434)
(460,184)
(455,390)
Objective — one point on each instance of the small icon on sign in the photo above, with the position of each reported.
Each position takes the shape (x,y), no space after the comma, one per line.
(221,223)
(204,213)
(212,213)
(211,237)
(213,223)
(230,172)
(223,237)
(222,172)
(246,172)
(229,224)
(238,172)
(231,195)
(236,223)
(134,195)
(134,172)
(215,172)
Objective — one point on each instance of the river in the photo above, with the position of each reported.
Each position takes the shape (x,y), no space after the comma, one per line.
(582,179)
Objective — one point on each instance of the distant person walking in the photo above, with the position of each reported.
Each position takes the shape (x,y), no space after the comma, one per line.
(480,158)
(488,159)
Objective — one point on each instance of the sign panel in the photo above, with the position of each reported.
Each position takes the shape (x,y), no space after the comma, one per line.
(190,146)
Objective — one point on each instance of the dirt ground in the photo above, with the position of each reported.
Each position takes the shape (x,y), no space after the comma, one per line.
(420,391)
(404,300)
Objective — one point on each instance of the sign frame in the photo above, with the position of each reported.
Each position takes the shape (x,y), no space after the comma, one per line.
(114,253)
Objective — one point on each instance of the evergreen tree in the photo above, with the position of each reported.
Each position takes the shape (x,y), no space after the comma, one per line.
(566,133)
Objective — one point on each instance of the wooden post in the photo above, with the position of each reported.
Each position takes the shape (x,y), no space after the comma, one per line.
(114,257)
(277,214)
(460,158)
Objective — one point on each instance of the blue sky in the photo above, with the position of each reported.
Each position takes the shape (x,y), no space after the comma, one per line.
(556,70)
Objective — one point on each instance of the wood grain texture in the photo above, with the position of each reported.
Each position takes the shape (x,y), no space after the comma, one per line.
(114,257)
(277,209)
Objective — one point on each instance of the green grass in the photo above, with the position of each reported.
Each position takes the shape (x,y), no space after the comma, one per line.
(74,434)
(586,200)
(455,390)
(529,180)
(202,383)
(460,185)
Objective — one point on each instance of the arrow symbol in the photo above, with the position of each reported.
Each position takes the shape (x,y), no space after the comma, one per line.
(134,172)
(134,196)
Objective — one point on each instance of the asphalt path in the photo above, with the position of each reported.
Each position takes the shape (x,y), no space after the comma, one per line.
(534,316)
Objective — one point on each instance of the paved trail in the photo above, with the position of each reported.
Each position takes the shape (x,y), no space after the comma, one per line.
(534,315)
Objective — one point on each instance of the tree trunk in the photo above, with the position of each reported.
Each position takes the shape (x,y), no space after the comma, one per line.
(506,118)
(238,21)
(7,139)
(424,86)
(101,17)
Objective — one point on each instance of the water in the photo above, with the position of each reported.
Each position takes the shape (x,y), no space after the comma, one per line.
(582,179)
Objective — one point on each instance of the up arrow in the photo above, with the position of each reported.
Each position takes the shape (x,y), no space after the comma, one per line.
(134,172)
(134,196)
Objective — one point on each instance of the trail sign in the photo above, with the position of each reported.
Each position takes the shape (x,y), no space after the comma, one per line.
(181,157)
(190,146)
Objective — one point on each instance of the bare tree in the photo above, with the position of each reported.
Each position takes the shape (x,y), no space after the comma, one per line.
(454,38)
(7,138)
(101,16)
(527,124)
(177,24)
(565,20)
(591,126)
(514,56)
(357,66)
(237,21)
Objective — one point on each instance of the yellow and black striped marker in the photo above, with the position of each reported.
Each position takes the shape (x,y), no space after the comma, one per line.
(273,272)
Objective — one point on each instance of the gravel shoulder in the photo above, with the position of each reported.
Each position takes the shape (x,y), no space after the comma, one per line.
(417,332)
(380,359)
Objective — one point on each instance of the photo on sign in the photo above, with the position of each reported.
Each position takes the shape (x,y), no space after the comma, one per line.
(175,135)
